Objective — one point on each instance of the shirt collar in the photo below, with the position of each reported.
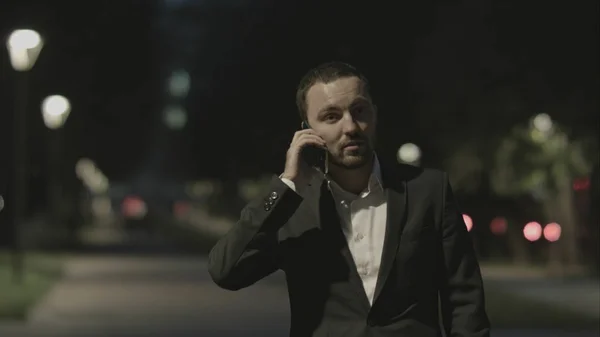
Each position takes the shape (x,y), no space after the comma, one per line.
(374,185)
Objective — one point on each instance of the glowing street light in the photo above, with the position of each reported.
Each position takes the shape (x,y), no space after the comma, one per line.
(409,153)
(55,111)
(24,47)
(542,122)
(175,117)
(179,83)
(91,176)
(541,128)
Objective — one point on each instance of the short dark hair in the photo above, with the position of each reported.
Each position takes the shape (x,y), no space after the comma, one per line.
(325,73)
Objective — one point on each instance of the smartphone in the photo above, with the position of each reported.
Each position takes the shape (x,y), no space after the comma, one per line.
(312,155)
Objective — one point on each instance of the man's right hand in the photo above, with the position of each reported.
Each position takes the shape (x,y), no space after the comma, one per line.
(296,169)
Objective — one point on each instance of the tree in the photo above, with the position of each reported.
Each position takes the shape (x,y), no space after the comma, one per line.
(541,161)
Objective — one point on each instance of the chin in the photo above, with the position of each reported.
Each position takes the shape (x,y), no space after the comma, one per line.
(350,162)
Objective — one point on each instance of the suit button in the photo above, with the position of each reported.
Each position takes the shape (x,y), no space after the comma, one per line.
(274,196)
(267,208)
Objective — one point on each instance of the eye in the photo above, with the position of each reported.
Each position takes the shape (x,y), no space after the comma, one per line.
(330,117)
(359,110)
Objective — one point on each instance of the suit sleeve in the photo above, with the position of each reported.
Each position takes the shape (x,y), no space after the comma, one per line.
(250,250)
(461,285)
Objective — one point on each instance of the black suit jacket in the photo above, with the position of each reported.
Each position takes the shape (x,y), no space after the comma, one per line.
(428,261)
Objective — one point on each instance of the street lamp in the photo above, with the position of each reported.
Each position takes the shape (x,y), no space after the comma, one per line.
(55,111)
(179,83)
(175,117)
(541,128)
(542,122)
(24,47)
(409,153)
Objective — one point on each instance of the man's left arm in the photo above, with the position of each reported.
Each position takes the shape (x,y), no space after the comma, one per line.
(461,285)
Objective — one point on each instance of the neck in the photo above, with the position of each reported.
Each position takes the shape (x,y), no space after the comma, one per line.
(352,180)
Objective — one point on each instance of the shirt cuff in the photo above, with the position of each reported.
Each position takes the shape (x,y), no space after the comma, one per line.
(289,183)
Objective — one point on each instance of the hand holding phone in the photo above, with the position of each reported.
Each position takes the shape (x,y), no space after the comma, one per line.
(314,156)
(302,153)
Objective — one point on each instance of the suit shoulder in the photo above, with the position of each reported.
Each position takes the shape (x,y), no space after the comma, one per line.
(420,175)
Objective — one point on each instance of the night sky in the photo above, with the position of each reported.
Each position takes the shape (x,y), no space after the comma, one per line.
(443,74)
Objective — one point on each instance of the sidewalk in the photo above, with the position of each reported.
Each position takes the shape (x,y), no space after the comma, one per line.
(156,294)
(114,296)
(580,294)
(118,296)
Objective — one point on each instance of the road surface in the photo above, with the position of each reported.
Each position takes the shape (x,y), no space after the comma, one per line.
(146,296)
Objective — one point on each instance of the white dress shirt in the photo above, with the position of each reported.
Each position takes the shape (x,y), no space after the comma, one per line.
(363,219)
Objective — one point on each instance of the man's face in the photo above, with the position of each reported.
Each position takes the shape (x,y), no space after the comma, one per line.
(341,112)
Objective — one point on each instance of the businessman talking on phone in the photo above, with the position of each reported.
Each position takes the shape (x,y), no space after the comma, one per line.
(369,247)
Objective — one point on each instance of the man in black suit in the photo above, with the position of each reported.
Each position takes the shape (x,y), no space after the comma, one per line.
(369,247)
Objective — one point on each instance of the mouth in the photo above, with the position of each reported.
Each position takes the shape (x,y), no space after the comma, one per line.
(352,146)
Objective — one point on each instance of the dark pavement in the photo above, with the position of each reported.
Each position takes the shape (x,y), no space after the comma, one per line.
(151,296)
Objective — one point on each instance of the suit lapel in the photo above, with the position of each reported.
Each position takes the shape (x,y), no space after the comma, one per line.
(331,224)
(396,196)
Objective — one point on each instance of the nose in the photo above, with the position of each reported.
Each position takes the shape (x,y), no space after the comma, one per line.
(349,125)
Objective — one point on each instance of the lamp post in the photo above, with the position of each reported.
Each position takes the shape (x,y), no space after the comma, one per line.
(55,111)
(24,47)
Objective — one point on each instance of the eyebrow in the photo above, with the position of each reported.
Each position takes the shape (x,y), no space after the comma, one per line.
(360,99)
(330,107)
